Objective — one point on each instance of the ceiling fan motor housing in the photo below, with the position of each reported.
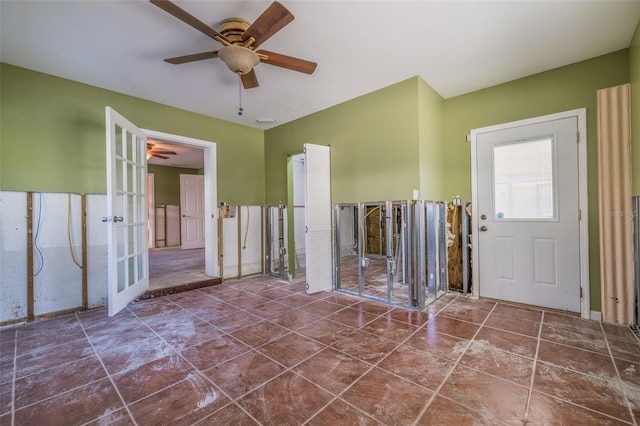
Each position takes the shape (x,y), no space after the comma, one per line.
(233,28)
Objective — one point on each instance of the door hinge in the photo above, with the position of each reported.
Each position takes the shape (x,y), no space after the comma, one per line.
(579,214)
(577,137)
(580,292)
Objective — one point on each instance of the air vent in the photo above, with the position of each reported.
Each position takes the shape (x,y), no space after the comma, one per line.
(267,120)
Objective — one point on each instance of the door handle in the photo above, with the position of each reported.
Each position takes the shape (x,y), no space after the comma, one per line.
(483,228)
(115,219)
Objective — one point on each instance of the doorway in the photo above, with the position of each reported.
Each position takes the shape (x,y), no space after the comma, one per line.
(297,257)
(174,265)
(529,198)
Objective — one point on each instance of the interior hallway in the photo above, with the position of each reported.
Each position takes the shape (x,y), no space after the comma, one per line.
(172,266)
(260,351)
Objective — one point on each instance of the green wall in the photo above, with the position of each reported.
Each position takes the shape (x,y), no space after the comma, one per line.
(431,142)
(634,79)
(383,144)
(52,135)
(375,145)
(562,89)
(167,183)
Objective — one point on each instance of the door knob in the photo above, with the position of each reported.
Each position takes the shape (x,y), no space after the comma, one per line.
(483,228)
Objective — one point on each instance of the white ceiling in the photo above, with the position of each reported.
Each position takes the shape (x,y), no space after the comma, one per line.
(186,156)
(360,46)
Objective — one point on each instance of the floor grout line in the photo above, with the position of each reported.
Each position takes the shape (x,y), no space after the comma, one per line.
(620,381)
(194,367)
(525,419)
(106,371)
(455,365)
(13,379)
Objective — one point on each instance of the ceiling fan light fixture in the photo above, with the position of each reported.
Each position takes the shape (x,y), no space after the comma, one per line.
(239,59)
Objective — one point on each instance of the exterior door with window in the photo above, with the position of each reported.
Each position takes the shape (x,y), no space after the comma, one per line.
(127,246)
(528,214)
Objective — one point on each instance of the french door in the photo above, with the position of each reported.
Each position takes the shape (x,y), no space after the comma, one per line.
(128,256)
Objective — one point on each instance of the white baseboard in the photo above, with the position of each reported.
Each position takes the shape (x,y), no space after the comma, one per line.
(595,315)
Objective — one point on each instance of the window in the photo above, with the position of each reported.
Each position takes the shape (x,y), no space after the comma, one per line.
(523,180)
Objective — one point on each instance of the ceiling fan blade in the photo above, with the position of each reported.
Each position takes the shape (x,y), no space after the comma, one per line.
(163,152)
(288,62)
(160,156)
(192,58)
(249,80)
(270,22)
(188,19)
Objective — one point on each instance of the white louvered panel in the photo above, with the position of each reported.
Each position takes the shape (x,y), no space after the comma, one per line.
(318,217)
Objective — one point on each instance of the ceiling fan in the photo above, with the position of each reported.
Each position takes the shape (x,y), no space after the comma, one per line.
(240,38)
(158,153)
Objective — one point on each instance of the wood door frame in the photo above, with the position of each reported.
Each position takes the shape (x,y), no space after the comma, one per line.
(581,115)
(210,194)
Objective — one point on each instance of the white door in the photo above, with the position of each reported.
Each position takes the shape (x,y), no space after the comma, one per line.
(126,219)
(528,214)
(317,195)
(192,209)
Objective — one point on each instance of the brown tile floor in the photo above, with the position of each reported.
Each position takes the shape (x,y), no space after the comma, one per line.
(260,351)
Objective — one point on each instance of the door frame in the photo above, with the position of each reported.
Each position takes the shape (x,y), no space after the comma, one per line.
(210,194)
(581,115)
(292,184)
(151,209)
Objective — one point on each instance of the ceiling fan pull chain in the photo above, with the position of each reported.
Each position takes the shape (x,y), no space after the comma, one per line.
(240,109)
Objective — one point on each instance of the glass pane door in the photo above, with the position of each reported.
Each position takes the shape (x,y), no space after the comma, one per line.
(127,211)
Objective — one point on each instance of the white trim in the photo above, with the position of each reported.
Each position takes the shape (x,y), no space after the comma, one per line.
(151,210)
(210,195)
(581,115)
(596,315)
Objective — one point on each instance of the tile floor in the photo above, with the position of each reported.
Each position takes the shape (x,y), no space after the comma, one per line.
(260,351)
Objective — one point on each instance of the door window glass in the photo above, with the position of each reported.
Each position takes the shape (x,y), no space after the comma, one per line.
(523,174)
